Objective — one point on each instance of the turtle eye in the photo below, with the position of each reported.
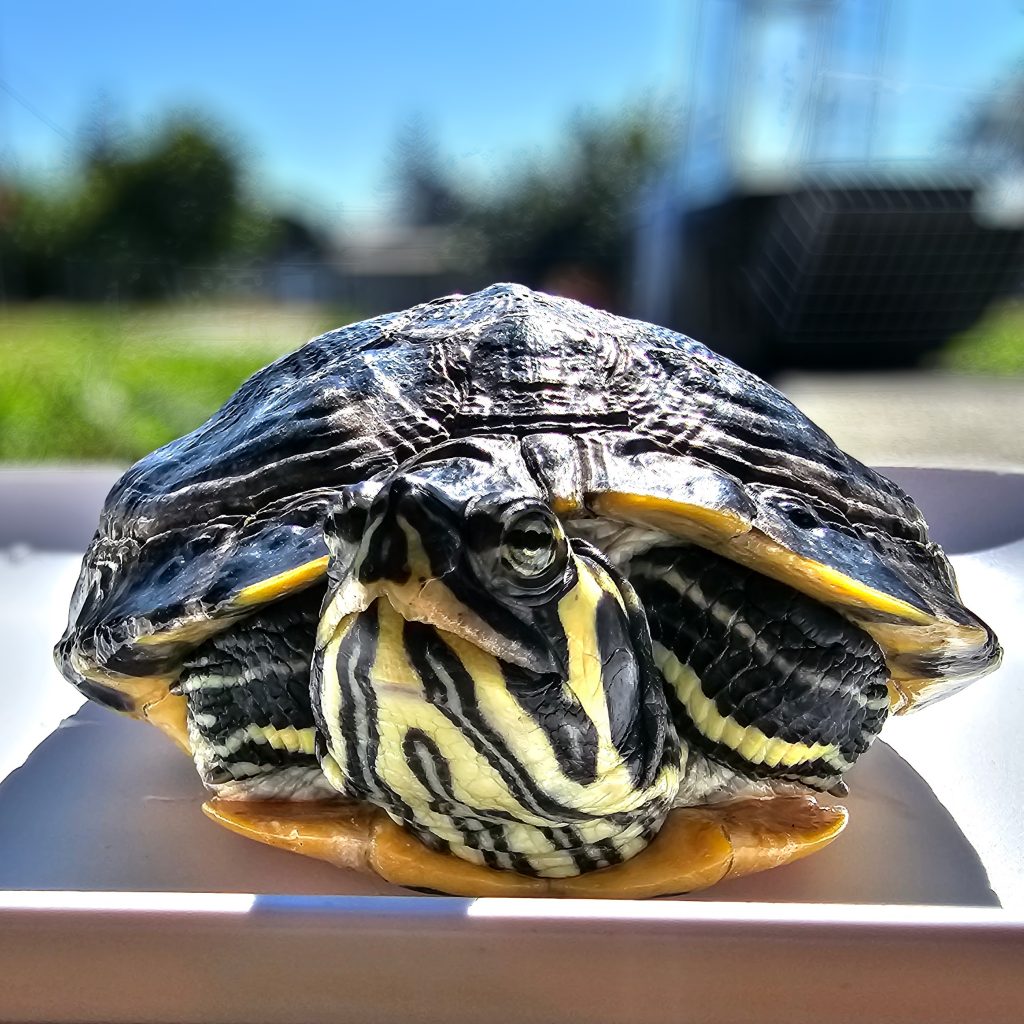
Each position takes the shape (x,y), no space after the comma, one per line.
(532,545)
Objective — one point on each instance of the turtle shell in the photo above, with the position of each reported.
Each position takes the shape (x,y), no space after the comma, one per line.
(624,420)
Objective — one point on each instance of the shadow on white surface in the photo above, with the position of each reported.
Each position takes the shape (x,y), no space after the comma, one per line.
(109,804)
(967,510)
(106,803)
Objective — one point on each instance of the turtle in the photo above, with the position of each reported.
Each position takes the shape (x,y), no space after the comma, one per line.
(506,595)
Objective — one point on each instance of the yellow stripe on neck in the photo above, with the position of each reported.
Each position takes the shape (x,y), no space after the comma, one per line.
(748,741)
(577,611)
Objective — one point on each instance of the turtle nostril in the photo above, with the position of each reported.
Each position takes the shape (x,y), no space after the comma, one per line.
(348,524)
(387,558)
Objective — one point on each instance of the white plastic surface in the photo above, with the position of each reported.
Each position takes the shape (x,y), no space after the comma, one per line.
(107,859)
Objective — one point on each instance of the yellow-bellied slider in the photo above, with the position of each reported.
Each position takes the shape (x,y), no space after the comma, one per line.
(503,594)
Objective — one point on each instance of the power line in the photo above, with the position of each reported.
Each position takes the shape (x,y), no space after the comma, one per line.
(39,115)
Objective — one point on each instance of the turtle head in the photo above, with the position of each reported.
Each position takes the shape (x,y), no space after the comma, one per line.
(491,569)
(508,665)
(466,542)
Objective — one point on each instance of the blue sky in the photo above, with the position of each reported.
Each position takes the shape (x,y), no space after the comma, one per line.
(316,92)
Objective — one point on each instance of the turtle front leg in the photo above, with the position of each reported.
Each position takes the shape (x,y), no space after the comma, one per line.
(696,848)
(763,681)
(249,719)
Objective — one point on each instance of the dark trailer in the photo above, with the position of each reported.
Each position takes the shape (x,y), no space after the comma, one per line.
(874,271)
(793,224)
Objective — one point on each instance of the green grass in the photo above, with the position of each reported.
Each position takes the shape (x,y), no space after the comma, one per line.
(109,385)
(994,345)
(103,384)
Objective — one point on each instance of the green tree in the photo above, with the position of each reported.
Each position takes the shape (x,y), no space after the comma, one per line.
(427,193)
(992,131)
(135,216)
(142,216)
(566,225)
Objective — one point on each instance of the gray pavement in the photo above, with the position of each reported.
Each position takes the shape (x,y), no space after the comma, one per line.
(917,418)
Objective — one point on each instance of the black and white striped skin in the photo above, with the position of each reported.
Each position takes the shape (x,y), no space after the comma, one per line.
(250,721)
(696,510)
(486,681)
(451,688)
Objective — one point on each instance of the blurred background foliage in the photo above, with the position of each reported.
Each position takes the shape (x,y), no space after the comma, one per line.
(991,346)
(120,329)
(134,214)
(759,199)
(140,217)
(99,382)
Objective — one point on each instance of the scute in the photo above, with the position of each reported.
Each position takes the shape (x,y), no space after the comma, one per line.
(899,589)
(619,419)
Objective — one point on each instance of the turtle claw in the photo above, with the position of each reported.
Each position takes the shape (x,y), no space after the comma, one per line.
(696,847)
(699,846)
(340,833)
